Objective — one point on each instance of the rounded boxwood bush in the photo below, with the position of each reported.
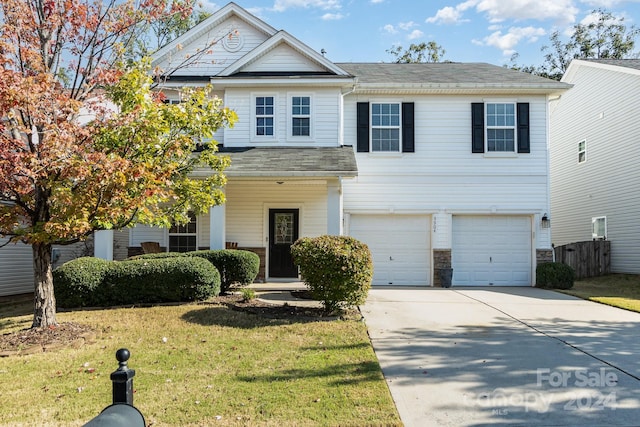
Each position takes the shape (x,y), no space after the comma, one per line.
(96,282)
(337,269)
(554,275)
(236,267)
(158,255)
(77,282)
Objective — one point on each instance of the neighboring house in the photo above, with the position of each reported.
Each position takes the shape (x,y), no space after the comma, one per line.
(432,165)
(595,130)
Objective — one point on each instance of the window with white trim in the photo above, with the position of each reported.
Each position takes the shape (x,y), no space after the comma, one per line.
(582,151)
(300,116)
(501,127)
(264,116)
(183,238)
(385,127)
(599,227)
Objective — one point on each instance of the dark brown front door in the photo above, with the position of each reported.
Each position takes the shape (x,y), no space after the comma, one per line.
(283,232)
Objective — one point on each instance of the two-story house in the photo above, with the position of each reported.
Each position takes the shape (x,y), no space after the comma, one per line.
(434,166)
(594,159)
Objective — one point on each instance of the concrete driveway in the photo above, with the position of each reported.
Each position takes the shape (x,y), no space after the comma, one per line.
(505,356)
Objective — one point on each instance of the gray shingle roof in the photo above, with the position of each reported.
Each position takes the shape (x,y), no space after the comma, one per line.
(305,161)
(628,63)
(443,73)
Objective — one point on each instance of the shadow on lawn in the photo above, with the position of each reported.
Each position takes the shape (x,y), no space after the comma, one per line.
(345,374)
(248,318)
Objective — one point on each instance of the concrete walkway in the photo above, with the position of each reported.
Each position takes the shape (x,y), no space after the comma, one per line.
(505,356)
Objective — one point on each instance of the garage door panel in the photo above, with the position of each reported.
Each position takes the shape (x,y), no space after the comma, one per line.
(491,250)
(400,247)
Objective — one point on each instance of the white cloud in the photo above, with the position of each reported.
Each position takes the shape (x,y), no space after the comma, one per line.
(451,15)
(390,29)
(282,5)
(332,16)
(561,11)
(415,34)
(377,1)
(406,26)
(207,5)
(507,42)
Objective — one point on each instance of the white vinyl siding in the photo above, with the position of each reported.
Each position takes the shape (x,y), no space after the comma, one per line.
(16,268)
(602,108)
(283,58)
(324,118)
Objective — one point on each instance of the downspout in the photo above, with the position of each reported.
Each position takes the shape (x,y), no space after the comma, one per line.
(342,96)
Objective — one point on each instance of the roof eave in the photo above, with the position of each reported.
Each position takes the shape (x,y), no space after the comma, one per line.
(461,88)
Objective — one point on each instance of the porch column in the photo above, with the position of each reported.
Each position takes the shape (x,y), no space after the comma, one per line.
(103,244)
(217,224)
(334,207)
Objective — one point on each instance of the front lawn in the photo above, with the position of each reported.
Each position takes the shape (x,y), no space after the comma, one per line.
(618,290)
(201,365)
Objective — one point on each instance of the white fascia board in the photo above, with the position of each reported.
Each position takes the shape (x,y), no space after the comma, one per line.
(460,88)
(282,81)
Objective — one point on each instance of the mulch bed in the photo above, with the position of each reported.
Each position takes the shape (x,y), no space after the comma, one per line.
(30,341)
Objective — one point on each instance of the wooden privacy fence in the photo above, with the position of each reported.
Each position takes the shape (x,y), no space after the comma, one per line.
(588,259)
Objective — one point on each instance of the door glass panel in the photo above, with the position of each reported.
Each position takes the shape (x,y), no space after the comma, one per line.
(284,228)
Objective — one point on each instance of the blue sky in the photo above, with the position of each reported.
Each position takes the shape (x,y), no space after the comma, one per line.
(470,31)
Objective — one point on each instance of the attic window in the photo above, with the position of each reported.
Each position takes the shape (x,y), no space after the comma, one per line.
(233,41)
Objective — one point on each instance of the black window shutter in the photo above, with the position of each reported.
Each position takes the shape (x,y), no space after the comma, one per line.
(477,127)
(408,128)
(362,136)
(524,145)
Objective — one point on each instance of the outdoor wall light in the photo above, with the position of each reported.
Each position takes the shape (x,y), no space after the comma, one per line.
(545,222)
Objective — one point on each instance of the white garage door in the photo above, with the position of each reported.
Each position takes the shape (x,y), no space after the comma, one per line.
(400,247)
(491,250)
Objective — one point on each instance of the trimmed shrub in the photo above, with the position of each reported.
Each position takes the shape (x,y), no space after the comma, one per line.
(337,269)
(554,275)
(236,267)
(77,283)
(169,279)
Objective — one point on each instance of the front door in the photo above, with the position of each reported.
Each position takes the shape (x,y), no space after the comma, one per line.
(283,232)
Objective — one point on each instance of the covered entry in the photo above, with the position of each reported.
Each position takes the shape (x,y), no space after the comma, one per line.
(400,246)
(491,250)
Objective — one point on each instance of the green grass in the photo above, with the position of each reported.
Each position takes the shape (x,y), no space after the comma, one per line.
(217,367)
(618,290)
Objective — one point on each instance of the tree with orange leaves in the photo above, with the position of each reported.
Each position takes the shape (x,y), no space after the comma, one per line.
(85,143)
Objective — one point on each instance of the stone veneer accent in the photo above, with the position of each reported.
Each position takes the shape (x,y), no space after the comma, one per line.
(441,259)
(544,256)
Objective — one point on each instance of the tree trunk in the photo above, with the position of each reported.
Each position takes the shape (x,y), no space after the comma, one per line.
(44,315)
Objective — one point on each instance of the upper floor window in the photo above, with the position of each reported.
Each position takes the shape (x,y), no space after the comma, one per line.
(183,238)
(501,127)
(385,127)
(265,115)
(599,227)
(582,151)
(301,116)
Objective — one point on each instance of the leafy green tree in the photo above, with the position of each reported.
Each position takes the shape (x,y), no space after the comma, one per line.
(85,144)
(605,37)
(421,52)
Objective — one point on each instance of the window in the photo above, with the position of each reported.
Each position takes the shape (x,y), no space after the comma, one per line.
(385,127)
(182,238)
(264,115)
(582,151)
(599,227)
(301,116)
(501,127)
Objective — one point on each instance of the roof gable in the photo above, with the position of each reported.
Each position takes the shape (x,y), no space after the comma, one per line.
(627,66)
(283,52)
(213,44)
